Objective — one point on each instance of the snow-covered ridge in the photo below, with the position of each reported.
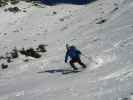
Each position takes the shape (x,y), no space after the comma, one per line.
(102,30)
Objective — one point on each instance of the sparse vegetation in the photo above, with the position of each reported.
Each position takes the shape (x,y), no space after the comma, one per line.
(41,48)
(33,52)
(54,12)
(13,9)
(1,57)
(30,52)
(14,53)
(9,60)
(26,60)
(5,2)
(61,19)
(101,21)
(4,66)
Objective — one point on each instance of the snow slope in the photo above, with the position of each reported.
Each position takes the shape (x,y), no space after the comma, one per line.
(102,30)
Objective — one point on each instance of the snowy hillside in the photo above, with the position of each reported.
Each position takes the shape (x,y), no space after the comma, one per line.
(102,30)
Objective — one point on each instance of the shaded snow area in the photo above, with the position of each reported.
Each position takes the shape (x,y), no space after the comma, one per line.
(102,30)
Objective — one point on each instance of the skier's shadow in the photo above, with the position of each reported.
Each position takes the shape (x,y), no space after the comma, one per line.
(55,71)
(76,2)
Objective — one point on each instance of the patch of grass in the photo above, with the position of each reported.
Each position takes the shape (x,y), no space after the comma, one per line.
(41,48)
(14,53)
(13,2)
(13,9)
(30,52)
(4,66)
(3,3)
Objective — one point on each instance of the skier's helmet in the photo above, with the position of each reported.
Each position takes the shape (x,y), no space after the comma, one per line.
(67,46)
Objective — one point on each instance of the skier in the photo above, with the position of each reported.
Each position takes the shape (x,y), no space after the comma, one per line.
(74,55)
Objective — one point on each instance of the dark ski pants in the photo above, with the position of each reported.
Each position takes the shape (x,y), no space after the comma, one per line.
(78,60)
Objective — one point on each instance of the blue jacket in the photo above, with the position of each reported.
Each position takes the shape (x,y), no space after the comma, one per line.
(73,53)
